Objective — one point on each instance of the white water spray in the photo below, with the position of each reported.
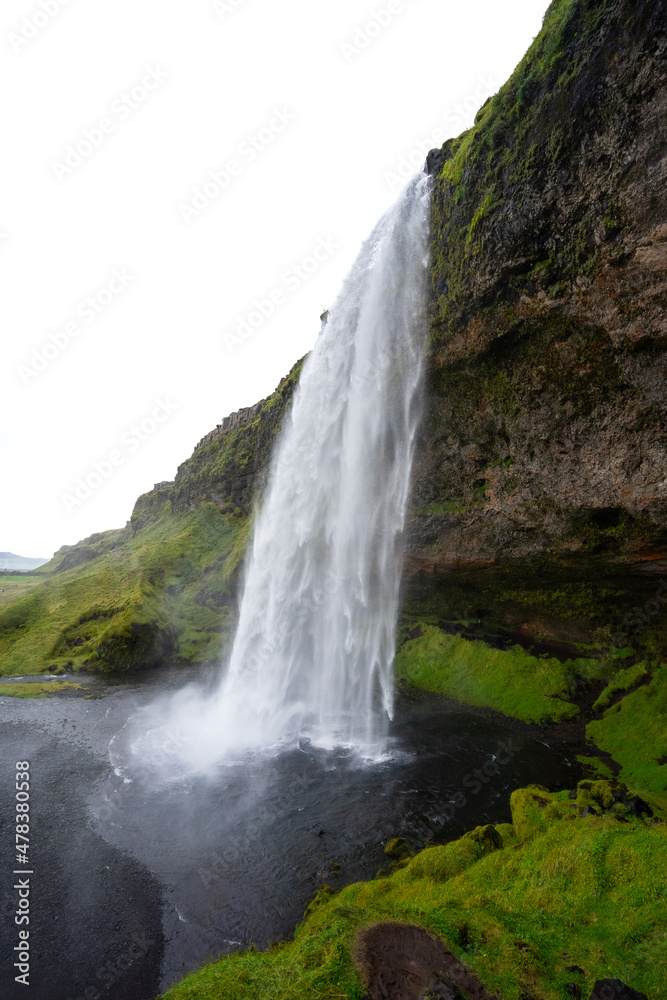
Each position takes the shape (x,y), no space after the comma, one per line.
(314,647)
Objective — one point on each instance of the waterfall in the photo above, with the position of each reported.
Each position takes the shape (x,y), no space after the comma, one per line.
(313,651)
(315,641)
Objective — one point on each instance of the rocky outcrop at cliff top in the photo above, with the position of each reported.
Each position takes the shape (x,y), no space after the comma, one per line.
(229,466)
(232,423)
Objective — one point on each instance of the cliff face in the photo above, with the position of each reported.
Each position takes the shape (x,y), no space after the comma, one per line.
(545,423)
(540,483)
(229,465)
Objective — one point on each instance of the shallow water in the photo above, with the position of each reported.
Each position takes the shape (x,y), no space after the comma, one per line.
(133,887)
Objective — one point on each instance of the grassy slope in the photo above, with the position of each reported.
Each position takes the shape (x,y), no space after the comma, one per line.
(587,891)
(15,586)
(630,711)
(164,591)
(634,732)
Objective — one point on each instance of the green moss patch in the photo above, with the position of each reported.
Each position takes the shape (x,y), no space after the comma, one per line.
(594,767)
(530,688)
(623,681)
(634,732)
(37,690)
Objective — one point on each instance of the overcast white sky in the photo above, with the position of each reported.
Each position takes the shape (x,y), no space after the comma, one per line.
(121,286)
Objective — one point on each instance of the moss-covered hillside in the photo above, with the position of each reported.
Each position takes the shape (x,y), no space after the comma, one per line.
(138,599)
(161,589)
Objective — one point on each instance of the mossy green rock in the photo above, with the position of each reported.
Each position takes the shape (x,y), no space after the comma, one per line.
(439,864)
(634,732)
(514,682)
(398,849)
(487,837)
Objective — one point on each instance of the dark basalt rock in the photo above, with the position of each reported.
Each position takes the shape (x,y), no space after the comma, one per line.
(434,161)
(140,646)
(614,989)
(638,807)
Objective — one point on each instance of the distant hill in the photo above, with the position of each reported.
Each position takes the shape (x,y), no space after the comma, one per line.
(9,561)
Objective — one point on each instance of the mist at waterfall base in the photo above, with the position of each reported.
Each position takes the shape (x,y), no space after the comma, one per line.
(312,657)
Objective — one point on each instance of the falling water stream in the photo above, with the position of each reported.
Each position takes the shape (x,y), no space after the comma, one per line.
(313,652)
(315,641)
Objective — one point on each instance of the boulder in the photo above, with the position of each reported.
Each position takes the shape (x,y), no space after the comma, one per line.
(614,989)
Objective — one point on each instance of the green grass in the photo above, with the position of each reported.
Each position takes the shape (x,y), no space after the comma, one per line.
(530,688)
(446,507)
(12,587)
(586,891)
(163,592)
(637,674)
(594,767)
(36,690)
(634,732)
